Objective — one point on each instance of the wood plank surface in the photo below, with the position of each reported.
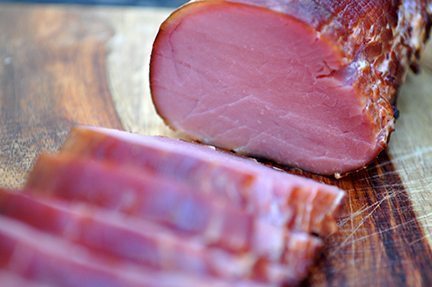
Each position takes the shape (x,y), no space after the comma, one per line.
(61,66)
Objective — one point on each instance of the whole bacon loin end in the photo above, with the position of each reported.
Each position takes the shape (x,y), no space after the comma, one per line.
(310,84)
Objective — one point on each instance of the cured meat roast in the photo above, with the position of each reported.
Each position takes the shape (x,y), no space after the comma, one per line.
(310,84)
(119,209)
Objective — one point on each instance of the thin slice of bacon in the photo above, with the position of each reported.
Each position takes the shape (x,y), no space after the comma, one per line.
(130,191)
(147,244)
(298,203)
(10,279)
(41,258)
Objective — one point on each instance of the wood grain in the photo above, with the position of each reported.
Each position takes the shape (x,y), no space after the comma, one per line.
(52,76)
(380,242)
(411,145)
(65,65)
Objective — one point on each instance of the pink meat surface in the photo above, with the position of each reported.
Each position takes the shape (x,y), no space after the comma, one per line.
(45,259)
(304,84)
(10,279)
(215,222)
(280,198)
(142,242)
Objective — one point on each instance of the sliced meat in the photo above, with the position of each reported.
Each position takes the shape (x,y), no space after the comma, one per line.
(304,83)
(45,259)
(281,198)
(144,243)
(149,197)
(10,279)
(112,234)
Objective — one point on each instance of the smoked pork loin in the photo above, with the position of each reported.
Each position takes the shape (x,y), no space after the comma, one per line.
(310,84)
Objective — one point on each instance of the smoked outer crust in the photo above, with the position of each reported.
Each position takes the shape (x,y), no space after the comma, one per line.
(380,39)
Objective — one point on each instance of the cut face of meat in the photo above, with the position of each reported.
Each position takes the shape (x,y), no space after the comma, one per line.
(274,80)
(272,90)
(282,199)
(141,242)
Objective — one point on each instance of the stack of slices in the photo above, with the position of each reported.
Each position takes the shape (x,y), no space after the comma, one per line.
(117,209)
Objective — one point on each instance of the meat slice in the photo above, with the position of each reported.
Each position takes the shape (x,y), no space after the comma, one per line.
(144,243)
(41,258)
(112,234)
(304,83)
(9,279)
(215,222)
(281,198)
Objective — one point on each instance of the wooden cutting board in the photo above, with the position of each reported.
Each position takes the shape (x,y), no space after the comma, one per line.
(61,66)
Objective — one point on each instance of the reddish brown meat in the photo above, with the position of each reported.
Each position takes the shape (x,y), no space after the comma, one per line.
(281,198)
(304,83)
(41,258)
(112,234)
(10,279)
(147,244)
(214,222)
